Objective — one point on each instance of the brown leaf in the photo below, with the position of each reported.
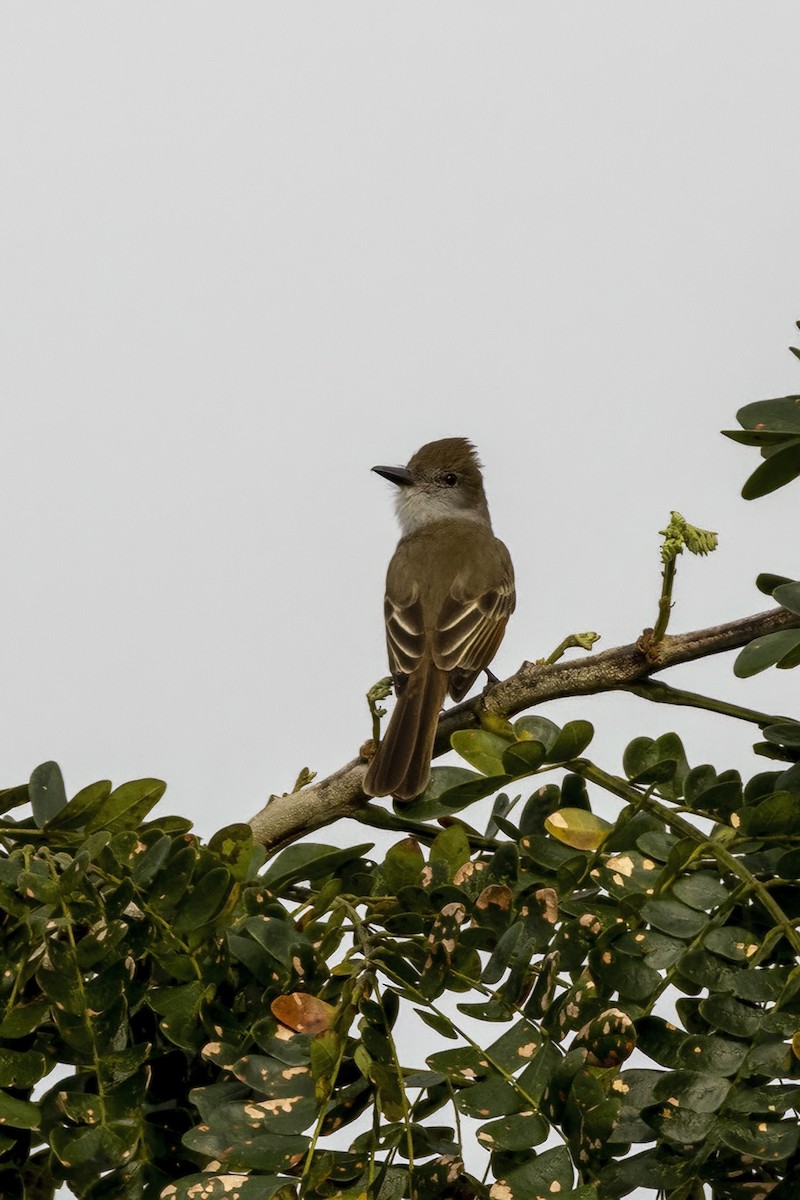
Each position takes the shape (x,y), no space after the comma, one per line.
(302,1012)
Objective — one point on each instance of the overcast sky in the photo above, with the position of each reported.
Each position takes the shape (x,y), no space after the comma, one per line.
(249,250)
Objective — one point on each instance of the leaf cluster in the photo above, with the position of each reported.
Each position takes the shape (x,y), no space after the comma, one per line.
(637,980)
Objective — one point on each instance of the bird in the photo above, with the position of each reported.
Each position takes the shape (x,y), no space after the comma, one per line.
(449,594)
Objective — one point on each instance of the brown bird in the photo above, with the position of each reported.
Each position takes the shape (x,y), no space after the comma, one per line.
(449,594)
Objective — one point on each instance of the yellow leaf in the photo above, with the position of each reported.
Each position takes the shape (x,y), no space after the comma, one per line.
(577,828)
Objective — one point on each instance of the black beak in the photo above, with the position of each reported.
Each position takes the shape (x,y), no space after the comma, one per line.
(399,475)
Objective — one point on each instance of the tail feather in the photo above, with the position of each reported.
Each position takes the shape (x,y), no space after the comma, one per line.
(401,765)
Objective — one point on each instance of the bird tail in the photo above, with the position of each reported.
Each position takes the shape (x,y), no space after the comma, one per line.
(402,763)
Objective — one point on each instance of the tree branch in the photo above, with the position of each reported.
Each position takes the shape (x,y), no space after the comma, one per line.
(284,819)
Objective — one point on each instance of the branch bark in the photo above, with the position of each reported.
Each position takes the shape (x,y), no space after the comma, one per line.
(284,819)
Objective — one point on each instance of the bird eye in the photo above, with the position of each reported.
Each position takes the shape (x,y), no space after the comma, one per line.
(451,479)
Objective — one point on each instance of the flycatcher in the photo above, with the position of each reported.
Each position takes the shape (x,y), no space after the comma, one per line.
(449,594)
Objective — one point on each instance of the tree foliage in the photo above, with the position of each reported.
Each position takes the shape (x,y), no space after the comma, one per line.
(557,1004)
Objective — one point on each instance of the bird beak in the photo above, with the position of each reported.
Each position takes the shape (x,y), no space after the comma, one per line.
(399,475)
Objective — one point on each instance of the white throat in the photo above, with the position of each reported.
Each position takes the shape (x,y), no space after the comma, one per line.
(416,507)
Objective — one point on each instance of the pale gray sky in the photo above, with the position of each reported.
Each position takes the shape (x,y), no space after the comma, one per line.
(250,250)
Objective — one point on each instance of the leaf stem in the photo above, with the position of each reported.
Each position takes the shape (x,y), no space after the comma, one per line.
(664,602)
(663,693)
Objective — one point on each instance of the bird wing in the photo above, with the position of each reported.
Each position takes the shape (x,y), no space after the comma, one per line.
(405,632)
(469,631)
(471,623)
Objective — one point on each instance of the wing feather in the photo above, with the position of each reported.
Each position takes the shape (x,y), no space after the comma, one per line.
(469,630)
(405,635)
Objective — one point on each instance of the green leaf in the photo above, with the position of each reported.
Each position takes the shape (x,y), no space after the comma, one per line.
(767,651)
(128,804)
(778,814)
(769,1100)
(680,1125)
(771,1059)
(537,1076)
(709,1053)
(451,847)
(700,1091)
(755,437)
(546,852)
(438,1022)
(732,942)
(204,900)
(430,806)
(403,863)
(498,820)
(47,795)
(701,890)
(577,828)
(116,1066)
(326,1055)
(100,1148)
(279,938)
(656,844)
(779,469)
(233,846)
(537,729)
(516,1047)
(759,986)
(180,1009)
(475,789)
(523,758)
(462,1064)
(268,1076)
(538,1177)
(518,1131)
(781,414)
(308,860)
(574,793)
(722,798)
(229,1140)
(544,801)
(661,952)
(25,1018)
(495,1097)
(661,761)
(507,948)
(650,1170)
(83,804)
(767,583)
(13,797)
(766,1140)
(481,749)
(788,596)
(618,972)
(786,733)
(629,873)
(19,1114)
(729,1015)
(674,918)
(152,860)
(21,1068)
(571,742)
